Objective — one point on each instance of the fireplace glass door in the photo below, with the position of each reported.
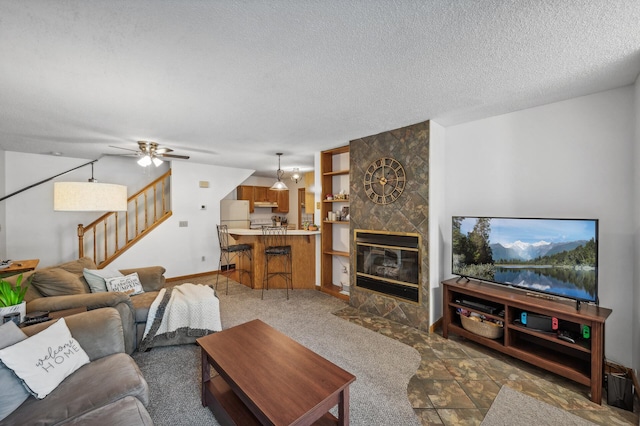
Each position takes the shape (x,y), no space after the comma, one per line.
(389,263)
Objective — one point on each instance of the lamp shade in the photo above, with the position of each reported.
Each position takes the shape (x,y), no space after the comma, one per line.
(279,186)
(89,197)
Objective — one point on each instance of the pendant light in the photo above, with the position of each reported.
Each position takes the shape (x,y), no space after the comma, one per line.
(279,185)
(89,196)
(296,176)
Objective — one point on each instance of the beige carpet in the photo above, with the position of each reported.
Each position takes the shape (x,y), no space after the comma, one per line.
(512,408)
(382,366)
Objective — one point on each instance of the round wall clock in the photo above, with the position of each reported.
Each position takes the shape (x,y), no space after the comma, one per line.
(384,180)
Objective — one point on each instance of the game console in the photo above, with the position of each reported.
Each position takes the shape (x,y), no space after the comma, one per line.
(539,322)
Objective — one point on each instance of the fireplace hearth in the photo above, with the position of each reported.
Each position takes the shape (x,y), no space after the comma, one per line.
(389,263)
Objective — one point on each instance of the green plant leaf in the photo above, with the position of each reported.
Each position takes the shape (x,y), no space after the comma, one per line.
(10,295)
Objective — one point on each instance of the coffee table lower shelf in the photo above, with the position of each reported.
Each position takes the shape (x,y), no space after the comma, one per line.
(230,410)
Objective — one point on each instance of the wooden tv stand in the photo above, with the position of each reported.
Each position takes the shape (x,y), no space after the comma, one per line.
(582,361)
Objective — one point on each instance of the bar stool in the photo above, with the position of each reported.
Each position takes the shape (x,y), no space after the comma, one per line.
(228,252)
(276,250)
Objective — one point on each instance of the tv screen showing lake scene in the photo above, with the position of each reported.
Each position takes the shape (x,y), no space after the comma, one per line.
(554,256)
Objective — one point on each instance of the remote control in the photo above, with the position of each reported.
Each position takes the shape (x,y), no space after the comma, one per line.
(563,335)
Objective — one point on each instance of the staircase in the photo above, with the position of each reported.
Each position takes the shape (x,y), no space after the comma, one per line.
(146,209)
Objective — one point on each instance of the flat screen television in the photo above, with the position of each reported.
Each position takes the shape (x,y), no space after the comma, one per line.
(557,257)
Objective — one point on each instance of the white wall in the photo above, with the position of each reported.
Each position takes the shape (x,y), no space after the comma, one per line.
(636,215)
(34,230)
(570,159)
(437,217)
(3,219)
(180,249)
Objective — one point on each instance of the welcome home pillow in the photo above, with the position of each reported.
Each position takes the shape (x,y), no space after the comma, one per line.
(129,284)
(12,393)
(45,359)
(96,278)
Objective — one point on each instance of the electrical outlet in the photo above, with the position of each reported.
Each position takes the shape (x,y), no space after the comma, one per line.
(203,258)
(183,224)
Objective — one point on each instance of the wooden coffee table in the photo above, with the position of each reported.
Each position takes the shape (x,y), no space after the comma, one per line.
(268,378)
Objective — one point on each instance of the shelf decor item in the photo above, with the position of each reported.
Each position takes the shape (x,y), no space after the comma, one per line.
(482,328)
(12,298)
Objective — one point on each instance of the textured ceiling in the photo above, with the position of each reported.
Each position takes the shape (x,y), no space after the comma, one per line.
(232,82)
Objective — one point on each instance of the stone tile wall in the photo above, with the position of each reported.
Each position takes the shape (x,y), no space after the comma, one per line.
(409,213)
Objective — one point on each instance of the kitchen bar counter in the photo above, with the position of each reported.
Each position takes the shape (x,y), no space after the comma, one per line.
(258,232)
(303,249)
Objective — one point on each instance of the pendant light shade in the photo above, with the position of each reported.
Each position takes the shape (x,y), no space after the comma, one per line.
(89,196)
(279,185)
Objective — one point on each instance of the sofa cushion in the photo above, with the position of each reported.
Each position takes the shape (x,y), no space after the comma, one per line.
(142,303)
(94,385)
(45,359)
(129,284)
(96,278)
(58,282)
(77,266)
(12,393)
(126,411)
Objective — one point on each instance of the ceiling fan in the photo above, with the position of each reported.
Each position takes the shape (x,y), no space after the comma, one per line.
(151,152)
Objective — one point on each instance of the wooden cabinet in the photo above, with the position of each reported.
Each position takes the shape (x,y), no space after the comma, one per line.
(245,192)
(334,165)
(581,361)
(262,194)
(282,198)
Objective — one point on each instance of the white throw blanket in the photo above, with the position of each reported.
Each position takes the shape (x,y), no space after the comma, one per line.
(183,311)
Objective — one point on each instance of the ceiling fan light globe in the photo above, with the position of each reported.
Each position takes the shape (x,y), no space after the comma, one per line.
(144,161)
(157,161)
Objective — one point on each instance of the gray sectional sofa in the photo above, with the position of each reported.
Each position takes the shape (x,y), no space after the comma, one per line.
(109,390)
(63,287)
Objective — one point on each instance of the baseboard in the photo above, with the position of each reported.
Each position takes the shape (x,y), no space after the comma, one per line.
(186,277)
(436,325)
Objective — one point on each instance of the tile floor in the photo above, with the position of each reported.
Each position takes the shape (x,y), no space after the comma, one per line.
(458,380)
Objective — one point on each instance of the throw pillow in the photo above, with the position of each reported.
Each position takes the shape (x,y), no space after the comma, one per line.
(129,284)
(12,393)
(45,359)
(57,282)
(96,278)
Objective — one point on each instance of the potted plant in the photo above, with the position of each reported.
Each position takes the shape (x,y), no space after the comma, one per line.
(12,298)
(313,227)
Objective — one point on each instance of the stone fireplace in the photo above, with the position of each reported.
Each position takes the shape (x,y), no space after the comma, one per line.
(399,300)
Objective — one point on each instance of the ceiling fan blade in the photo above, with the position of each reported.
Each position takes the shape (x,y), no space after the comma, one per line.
(163,150)
(184,157)
(127,149)
(135,154)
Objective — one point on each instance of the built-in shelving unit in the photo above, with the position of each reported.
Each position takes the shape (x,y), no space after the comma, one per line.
(581,360)
(334,165)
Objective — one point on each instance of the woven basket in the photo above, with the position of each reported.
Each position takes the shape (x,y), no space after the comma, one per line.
(484,329)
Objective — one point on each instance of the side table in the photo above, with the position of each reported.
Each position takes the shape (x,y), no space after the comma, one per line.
(18,267)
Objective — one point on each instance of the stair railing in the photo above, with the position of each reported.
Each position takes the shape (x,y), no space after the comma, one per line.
(146,209)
